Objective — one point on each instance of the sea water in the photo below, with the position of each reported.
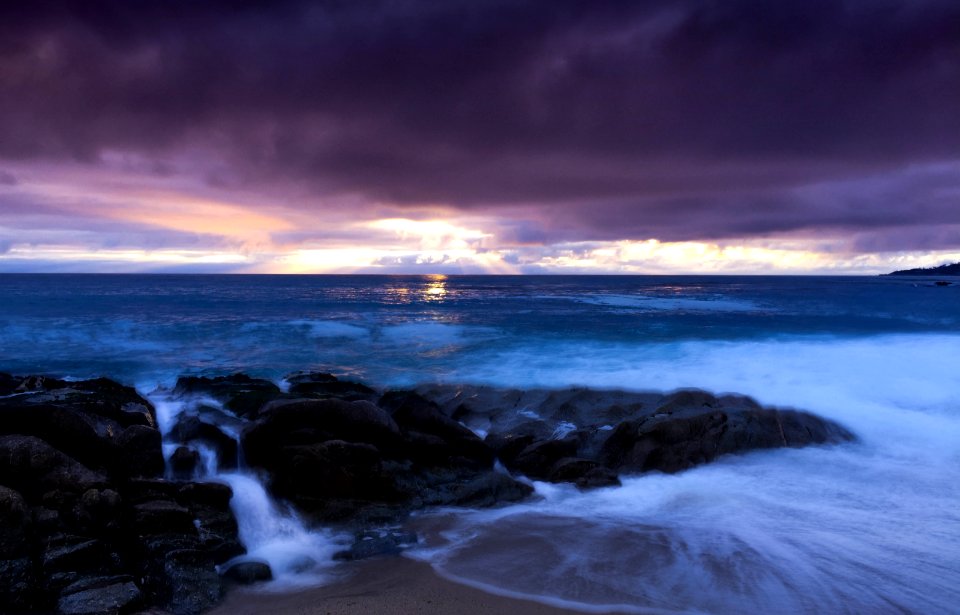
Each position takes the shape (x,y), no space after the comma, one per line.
(870,527)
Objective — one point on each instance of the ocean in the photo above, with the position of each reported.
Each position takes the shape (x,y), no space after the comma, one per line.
(867,527)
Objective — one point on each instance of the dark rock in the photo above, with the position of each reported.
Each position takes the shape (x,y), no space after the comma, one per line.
(31,466)
(117,597)
(248,573)
(209,503)
(98,510)
(339,389)
(331,469)
(307,422)
(184,462)
(162,517)
(691,436)
(216,495)
(76,554)
(538,459)
(20,589)
(100,397)
(436,438)
(490,489)
(509,445)
(8,384)
(192,429)
(375,543)
(139,490)
(192,582)
(84,437)
(141,451)
(584,473)
(239,393)
(15,520)
(309,378)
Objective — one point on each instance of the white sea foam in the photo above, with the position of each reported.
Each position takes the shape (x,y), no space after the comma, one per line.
(673,304)
(432,334)
(271,533)
(332,328)
(866,527)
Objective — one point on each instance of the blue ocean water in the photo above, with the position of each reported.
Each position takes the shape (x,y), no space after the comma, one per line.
(393,329)
(870,527)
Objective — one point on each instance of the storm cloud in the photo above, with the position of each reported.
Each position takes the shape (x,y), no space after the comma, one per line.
(579,121)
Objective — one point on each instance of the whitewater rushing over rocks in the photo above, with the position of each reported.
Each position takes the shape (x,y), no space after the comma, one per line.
(520,373)
(346,456)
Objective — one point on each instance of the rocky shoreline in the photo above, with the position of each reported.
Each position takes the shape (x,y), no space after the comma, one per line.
(94,520)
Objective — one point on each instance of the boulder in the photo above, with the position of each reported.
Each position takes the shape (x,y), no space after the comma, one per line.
(189,429)
(20,587)
(141,452)
(32,466)
(489,489)
(686,437)
(436,438)
(584,473)
(108,595)
(98,510)
(326,385)
(191,581)
(538,459)
(184,462)
(309,421)
(331,469)
(239,393)
(162,517)
(248,572)
(15,521)
(375,543)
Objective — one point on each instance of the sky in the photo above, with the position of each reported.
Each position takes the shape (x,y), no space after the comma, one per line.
(480,136)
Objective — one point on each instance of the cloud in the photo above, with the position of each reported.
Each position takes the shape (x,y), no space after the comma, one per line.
(573,121)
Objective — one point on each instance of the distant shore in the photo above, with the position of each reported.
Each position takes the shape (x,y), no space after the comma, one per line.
(394,585)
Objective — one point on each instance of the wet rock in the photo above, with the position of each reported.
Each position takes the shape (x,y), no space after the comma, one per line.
(686,437)
(216,495)
(307,422)
(105,595)
(141,451)
(584,473)
(336,469)
(162,517)
(508,446)
(538,459)
(20,588)
(191,581)
(98,510)
(8,384)
(184,462)
(32,466)
(15,520)
(326,385)
(436,438)
(239,393)
(139,490)
(375,543)
(489,489)
(248,573)
(209,503)
(190,429)
(76,554)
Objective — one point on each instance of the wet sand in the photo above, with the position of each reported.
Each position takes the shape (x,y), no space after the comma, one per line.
(389,586)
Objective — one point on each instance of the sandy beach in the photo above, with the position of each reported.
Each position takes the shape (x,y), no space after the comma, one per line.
(391,585)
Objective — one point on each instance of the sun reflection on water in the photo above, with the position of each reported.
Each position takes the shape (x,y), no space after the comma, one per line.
(436,288)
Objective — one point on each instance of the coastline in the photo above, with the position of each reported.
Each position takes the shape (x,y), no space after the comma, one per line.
(395,585)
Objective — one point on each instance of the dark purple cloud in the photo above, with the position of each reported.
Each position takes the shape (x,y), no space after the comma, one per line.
(676,119)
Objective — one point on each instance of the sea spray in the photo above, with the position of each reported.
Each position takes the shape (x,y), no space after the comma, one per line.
(270,531)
